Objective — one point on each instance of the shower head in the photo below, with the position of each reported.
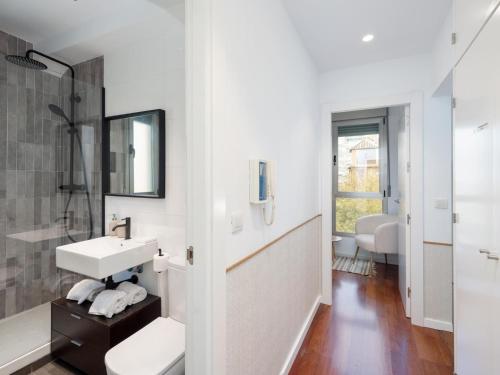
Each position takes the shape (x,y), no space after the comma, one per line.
(59,112)
(26,62)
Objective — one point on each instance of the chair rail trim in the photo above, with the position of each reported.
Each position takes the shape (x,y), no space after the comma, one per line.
(265,247)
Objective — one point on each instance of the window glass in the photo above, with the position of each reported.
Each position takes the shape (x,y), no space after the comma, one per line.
(349,210)
(359,163)
(143,157)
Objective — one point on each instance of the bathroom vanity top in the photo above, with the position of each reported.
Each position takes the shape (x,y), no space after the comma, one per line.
(105,256)
(82,340)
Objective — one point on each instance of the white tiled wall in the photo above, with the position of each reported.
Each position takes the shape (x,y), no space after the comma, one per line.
(269,298)
(147,74)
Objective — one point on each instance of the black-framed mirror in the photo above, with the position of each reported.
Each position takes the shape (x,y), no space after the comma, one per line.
(134,154)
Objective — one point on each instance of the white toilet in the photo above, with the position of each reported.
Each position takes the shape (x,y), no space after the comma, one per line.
(159,347)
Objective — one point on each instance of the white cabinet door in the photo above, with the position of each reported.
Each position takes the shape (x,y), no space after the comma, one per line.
(476,190)
(469,17)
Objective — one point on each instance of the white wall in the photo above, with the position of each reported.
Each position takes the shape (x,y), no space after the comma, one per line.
(144,74)
(403,76)
(265,106)
(395,77)
(380,79)
(267,304)
(438,170)
(442,52)
(438,254)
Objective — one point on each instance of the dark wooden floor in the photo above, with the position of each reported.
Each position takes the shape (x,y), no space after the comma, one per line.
(365,332)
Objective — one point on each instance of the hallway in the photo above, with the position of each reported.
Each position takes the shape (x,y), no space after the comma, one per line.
(365,332)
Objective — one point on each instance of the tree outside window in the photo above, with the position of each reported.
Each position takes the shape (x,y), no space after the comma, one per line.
(358,172)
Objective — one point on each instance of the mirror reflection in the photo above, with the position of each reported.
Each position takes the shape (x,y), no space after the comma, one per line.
(135,148)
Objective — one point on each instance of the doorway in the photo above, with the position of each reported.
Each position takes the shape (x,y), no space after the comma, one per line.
(369,178)
(410,214)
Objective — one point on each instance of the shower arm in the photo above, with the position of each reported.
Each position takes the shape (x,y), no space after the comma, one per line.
(33,51)
(28,52)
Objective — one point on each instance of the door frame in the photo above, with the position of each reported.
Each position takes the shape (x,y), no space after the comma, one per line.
(416,202)
(406,175)
(205,221)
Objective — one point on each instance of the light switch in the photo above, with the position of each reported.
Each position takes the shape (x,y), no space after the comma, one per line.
(441,204)
(236,221)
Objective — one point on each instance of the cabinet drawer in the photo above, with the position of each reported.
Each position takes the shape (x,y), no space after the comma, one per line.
(83,356)
(78,328)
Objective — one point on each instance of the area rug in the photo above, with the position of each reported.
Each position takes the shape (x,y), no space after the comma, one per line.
(360,266)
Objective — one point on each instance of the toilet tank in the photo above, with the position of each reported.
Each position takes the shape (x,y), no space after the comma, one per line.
(176,279)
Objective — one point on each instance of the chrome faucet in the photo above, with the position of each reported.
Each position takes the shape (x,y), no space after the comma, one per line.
(127,227)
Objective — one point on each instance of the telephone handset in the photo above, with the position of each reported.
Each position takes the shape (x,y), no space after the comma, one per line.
(270,205)
(262,187)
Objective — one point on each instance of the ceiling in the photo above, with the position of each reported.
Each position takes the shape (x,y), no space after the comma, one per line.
(77,30)
(332,29)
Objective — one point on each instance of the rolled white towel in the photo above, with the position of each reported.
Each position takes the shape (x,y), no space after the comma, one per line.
(135,293)
(108,303)
(92,296)
(82,289)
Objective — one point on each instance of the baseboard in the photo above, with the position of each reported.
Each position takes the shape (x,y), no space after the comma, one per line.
(440,325)
(25,360)
(300,338)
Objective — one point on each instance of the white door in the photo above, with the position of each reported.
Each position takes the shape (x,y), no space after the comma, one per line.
(469,17)
(476,195)
(404,195)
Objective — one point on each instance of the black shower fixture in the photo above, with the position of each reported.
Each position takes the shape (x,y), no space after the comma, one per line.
(59,112)
(28,62)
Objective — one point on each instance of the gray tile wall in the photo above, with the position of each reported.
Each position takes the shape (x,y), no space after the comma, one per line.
(34,161)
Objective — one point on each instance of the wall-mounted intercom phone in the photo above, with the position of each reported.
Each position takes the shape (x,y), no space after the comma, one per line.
(262,187)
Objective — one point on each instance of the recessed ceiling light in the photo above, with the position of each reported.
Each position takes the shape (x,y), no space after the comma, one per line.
(368,38)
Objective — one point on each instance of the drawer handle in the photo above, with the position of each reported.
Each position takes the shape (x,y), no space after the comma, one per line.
(76,343)
(493,257)
(75,316)
(484,251)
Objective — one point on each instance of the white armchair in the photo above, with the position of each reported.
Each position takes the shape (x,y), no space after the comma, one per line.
(377,234)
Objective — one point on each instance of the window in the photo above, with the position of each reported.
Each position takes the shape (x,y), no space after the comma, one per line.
(143,156)
(360,171)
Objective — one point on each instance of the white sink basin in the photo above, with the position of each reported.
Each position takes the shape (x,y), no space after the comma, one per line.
(105,256)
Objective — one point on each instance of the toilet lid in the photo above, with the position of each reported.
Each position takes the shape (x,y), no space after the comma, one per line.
(150,351)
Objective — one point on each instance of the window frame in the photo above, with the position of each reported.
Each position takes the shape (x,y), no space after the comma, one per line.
(384,157)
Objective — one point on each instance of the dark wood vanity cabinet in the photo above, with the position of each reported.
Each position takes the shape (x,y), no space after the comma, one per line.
(82,340)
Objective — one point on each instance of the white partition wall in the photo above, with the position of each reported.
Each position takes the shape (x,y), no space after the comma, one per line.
(271,300)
